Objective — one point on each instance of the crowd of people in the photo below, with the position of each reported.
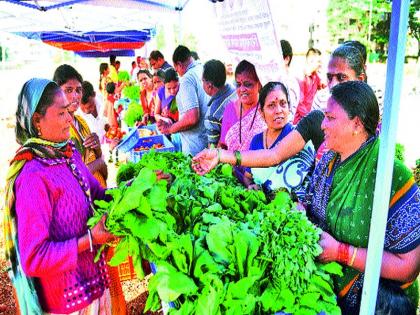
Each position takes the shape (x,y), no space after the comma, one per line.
(316,137)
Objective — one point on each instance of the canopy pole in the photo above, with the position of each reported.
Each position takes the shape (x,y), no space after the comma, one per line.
(3,56)
(395,65)
(180,28)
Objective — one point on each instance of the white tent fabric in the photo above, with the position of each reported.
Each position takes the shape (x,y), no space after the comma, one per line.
(85,16)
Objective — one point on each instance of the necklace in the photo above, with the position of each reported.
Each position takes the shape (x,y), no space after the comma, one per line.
(266,139)
(276,135)
(240,121)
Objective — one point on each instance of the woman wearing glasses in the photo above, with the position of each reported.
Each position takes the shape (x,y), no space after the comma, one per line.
(343,61)
(242,119)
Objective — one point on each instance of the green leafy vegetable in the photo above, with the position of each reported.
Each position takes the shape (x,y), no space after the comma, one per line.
(218,247)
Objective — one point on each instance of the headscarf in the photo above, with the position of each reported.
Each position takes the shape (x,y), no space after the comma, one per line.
(28,102)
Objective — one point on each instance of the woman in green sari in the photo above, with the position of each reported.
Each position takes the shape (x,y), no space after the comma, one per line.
(341,197)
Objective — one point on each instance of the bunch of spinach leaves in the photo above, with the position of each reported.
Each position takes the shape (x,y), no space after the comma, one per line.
(218,247)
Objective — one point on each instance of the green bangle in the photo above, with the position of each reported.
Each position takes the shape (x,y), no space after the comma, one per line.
(218,155)
(238,158)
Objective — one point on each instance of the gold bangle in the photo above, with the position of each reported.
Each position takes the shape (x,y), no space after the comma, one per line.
(353,257)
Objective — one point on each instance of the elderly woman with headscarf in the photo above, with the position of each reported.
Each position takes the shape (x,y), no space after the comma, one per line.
(49,194)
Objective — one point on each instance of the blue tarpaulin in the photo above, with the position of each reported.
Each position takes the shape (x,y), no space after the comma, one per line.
(94,44)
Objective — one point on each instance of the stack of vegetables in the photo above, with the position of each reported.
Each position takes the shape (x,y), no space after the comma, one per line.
(123,76)
(218,248)
(134,111)
(114,133)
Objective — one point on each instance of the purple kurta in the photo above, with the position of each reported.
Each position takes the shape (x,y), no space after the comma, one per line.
(52,211)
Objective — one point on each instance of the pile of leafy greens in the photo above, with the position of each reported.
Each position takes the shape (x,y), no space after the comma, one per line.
(132,92)
(133,114)
(218,248)
(123,76)
(134,111)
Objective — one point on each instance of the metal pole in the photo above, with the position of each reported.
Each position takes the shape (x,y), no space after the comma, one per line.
(181,31)
(396,52)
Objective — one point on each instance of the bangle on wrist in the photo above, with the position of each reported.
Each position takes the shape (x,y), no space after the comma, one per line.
(90,240)
(238,158)
(343,253)
(353,257)
(218,155)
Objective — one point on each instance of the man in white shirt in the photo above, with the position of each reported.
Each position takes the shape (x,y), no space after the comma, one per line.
(89,110)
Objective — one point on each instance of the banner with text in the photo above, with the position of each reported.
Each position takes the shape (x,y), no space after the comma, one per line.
(248,32)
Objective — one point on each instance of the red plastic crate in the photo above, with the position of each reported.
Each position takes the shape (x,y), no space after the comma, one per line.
(126,270)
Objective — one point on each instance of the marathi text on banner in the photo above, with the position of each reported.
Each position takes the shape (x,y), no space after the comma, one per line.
(248,32)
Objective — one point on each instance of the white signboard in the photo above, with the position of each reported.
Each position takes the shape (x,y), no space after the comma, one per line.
(248,32)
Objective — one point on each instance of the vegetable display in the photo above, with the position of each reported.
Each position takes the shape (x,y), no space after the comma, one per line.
(133,114)
(123,76)
(218,247)
(132,92)
(400,152)
(114,133)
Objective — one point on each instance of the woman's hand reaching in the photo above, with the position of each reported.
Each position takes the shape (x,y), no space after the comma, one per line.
(205,161)
(165,176)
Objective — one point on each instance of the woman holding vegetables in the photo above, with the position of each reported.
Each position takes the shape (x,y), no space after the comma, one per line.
(340,198)
(165,104)
(341,193)
(49,192)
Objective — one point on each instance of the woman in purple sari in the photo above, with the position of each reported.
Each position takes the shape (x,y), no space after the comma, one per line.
(242,118)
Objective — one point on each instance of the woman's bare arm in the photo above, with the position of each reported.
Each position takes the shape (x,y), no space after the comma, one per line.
(400,267)
(207,159)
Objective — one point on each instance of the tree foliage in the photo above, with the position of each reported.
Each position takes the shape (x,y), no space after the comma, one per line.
(414,23)
(351,21)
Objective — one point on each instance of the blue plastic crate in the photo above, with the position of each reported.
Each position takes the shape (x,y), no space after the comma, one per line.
(129,141)
(148,142)
(133,136)
(151,128)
